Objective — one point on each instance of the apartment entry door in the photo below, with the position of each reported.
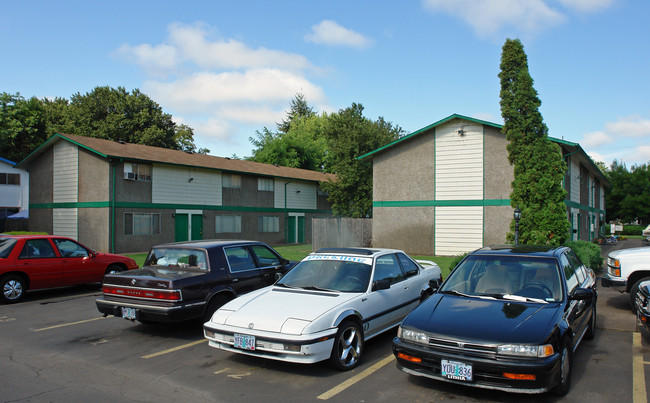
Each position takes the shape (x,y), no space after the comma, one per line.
(296,228)
(188,225)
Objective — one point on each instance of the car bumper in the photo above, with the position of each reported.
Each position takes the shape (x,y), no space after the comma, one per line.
(303,349)
(152,313)
(642,313)
(486,373)
(616,283)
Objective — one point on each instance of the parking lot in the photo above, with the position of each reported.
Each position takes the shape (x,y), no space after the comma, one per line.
(57,347)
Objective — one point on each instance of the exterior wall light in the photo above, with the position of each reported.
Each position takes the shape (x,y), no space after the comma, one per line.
(517,216)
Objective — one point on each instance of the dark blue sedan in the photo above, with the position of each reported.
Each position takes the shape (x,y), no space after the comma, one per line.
(506,318)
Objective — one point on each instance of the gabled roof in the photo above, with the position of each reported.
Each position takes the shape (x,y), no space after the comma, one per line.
(137,152)
(572,147)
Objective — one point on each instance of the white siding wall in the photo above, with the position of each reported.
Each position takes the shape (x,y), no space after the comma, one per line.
(300,195)
(65,183)
(172,185)
(458,230)
(13,195)
(459,162)
(575,180)
(65,177)
(459,176)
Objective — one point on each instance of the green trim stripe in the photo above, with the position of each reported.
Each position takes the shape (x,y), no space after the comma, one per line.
(442,203)
(168,206)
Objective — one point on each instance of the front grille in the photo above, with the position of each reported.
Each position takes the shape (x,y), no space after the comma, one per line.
(463,348)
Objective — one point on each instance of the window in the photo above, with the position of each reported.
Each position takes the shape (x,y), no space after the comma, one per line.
(67,248)
(268,224)
(141,224)
(231,181)
(265,184)
(9,179)
(227,223)
(387,268)
(569,273)
(265,256)
(408,265)
(239,259)
(37,248)
(142,172)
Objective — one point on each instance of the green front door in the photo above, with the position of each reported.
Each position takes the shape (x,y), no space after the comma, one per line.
(181,228)
(291,229)
(197,226)
(301,229)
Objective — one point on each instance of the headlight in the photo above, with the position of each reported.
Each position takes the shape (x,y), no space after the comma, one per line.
(525,350)
(412,336)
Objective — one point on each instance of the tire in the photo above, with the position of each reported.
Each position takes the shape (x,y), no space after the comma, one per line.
(114,268)
(348,346)
(591,327)
(634,290)
(13,288)
(566,368)
(215,303)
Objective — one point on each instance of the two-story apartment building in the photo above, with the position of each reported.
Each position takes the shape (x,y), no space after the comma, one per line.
(14,194)
(445,189)
(122,197)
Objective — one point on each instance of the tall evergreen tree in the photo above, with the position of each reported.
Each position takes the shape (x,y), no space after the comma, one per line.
(299,109)
(538,164)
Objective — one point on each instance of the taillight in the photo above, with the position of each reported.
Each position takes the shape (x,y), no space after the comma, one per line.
(164,295)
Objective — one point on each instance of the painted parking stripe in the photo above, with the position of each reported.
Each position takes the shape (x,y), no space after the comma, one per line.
(68,324)
(362,375)
(639,394)
(171,350)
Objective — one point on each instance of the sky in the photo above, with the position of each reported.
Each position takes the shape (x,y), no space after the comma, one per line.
(230,68)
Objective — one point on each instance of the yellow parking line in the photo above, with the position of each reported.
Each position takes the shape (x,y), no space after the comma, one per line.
(344,385)
(68,324)
(638,373)
(171,350)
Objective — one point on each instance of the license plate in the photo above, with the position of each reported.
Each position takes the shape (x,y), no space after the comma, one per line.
(456,370)
(128,313)
(244,342)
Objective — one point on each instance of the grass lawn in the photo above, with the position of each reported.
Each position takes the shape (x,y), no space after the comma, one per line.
(297,252)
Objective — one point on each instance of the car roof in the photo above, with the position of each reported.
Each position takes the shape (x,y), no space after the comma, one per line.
(368,252)
(521,250)
(209,243)
(29,236)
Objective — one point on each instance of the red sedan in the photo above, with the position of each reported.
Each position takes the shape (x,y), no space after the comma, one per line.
(31,262)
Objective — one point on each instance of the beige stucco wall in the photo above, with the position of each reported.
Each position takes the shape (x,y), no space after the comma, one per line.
(406,172)
(408,228)
(498,178)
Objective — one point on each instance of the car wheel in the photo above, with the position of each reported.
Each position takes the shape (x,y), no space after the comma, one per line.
(13,288)
(348,346)
(114,268)
(634,290)
(215,303)
(566,363)
(591,327)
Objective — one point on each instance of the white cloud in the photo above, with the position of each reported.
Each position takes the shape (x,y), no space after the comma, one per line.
(220,87)
(631,126)
(619,140)
(328,32)
(489,17)
(595,139)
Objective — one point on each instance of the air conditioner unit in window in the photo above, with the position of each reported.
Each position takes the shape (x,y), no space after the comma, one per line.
(129,176)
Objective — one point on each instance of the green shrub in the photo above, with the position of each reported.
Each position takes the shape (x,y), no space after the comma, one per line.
(632,229)
(455,260)
(588,252)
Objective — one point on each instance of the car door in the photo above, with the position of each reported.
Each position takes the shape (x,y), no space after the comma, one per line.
(577,314)
(245,274)
(269,263)
(38,259)
(79,266)
(389,306)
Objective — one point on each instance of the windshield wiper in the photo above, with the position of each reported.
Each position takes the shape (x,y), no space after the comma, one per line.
(455,292)
(315,288)
(519,298)
(287,286)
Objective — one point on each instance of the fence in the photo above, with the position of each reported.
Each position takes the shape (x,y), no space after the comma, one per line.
(341,232)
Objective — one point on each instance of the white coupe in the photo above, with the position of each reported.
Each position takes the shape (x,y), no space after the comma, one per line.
(326,307)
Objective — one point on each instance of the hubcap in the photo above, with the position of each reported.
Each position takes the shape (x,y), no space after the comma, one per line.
(349,347)
(12,289)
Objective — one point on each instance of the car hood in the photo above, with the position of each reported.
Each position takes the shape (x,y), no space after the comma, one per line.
(631,252)
(272,308)
(487,320)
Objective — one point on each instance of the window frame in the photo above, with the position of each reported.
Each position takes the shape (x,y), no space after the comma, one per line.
(154,227)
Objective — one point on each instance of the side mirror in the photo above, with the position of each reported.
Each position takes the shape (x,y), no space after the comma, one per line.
(381,285)
(278,276)
(582,294)
(434,284)
(411,273)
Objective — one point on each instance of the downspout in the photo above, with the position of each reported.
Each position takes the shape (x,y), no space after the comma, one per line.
(286,213)
(112,207)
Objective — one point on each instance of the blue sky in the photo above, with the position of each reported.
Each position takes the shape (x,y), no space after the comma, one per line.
(229,68)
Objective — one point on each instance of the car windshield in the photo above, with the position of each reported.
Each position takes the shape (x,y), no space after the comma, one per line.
(329,275)
(181,258)
(509,277)
(6,246)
